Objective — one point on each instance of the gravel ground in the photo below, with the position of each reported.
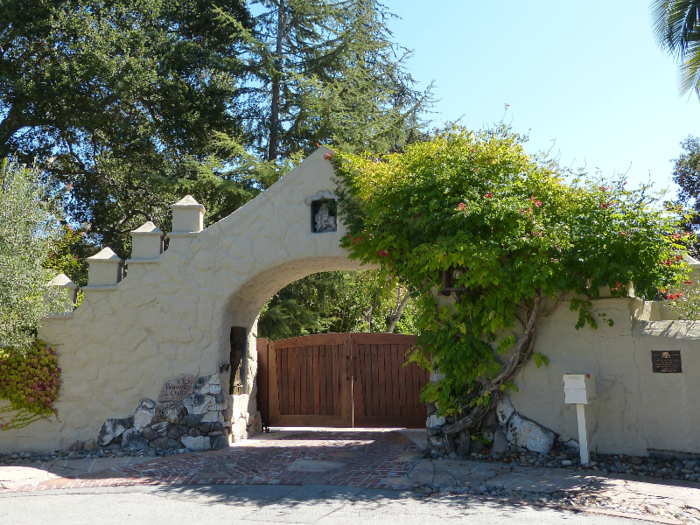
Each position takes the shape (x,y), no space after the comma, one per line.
(654,468)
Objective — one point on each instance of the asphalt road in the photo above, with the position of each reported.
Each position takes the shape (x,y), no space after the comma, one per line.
(228,505)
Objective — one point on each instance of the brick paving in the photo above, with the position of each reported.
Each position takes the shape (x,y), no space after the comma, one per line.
(353,459)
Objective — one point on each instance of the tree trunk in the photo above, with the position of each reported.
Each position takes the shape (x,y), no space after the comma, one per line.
(396,312)
(276,77)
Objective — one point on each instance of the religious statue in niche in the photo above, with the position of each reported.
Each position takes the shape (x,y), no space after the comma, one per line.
(324,221)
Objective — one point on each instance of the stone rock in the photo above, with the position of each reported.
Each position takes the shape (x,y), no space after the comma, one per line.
(161,442)
(145,413)
(219,442)
(199,403)
(77,446)
(436,443)
(194,432)
(572,444)
(207,385)
(172,412)
(213,416)
(500,442)
(241,402)
(161,428)
(173,444)
(432,409)
(177,388)
(133,441)
(434,431)
(196,443)
(566,463)
(256,426)
(191,421)
(91,444)
(239,429)
(205,428)
(522,432)
(149,433)
(177,431)
(504,410)
(112,429)
(435,421)
(217,426)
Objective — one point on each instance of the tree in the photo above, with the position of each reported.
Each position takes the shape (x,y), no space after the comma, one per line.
(28,224)
(128,103)
(329,72)
(486,236)
(676,28)
(361,301)
(686,172)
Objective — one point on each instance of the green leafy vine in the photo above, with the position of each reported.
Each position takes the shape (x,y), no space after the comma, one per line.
(31,382)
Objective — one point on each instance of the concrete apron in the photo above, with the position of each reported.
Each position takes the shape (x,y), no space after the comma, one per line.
(633,491)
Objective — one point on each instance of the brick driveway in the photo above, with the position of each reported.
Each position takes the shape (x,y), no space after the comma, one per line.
(367,459)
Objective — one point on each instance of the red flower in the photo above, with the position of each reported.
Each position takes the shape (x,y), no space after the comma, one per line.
(617,285)
(688,282)
(679,257)
(382,253)
(328,155)
(488,195)
(602,188)
(538,203)
(460,207)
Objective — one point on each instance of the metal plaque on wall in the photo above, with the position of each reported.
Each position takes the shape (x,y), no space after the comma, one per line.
(666,362)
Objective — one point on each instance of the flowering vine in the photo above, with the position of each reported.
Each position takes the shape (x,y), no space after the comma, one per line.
(484,235)
(30,382)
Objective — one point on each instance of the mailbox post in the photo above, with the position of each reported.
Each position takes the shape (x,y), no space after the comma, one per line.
(579,390)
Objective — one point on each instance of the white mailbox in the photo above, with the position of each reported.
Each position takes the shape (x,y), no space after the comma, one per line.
(579,389)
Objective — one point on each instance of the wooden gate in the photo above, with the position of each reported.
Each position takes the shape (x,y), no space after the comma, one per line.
(340,380)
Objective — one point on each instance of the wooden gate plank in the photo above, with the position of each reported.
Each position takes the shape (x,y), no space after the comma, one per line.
(302,381)
(374,361)
(344,379)
(411,409)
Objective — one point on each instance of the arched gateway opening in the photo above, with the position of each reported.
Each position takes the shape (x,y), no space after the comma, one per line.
(166,356)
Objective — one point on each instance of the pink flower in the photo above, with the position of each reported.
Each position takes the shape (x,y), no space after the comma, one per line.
(460,207)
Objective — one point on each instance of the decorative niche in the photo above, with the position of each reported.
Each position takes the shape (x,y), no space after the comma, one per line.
(324,211)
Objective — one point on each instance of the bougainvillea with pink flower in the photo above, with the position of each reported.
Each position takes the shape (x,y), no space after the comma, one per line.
(485,235)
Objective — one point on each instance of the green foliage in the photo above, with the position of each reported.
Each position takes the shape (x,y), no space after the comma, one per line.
(127,103)
(28,225)
(676,25)
(484,233)
(362,301)
(686,174)
(31,382)
(68,254)
(329,72)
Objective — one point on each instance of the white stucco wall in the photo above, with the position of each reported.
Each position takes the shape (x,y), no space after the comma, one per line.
(174,316)
(636,410)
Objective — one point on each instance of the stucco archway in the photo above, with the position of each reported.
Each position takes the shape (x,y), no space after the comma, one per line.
(173,312)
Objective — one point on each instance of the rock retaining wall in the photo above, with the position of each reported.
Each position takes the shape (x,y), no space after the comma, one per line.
(193,415)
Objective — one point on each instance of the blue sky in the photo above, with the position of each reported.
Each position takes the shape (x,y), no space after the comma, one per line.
(587,75)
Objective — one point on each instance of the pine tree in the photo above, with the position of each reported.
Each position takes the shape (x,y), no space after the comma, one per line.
(330,73)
